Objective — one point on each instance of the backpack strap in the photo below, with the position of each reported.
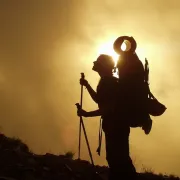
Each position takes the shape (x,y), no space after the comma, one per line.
(100,137)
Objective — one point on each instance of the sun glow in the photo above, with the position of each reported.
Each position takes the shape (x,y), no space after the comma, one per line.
(123,46)
(107,48)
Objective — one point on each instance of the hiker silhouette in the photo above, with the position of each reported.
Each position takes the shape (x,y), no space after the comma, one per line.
(116,129)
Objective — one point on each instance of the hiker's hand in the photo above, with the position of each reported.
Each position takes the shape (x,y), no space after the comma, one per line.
(81,112)
(83,82)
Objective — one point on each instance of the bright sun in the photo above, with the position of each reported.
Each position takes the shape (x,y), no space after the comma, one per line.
(108,49)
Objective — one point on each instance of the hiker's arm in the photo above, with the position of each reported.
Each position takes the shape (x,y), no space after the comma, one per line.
(84,113)
(105,109)
(92,93)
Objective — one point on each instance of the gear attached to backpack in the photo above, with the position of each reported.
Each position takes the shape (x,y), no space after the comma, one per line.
(155,108)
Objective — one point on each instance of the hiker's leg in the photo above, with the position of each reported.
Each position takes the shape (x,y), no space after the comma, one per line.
(123,159)
(109,157)
(117,153)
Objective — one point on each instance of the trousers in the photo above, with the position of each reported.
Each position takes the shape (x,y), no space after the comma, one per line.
(118,155)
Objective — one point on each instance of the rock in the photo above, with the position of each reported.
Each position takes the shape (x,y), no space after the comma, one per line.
(18,163)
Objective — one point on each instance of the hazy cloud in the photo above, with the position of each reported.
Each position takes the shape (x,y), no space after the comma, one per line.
(46,44)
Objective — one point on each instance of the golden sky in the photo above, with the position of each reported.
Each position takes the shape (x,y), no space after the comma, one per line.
(46,44)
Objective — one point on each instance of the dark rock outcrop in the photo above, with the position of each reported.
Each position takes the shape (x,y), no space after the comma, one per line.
(18,163)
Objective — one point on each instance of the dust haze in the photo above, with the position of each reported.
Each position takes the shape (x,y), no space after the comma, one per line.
(46,44)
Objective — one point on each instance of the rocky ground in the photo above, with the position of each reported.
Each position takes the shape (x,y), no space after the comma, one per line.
(18,163)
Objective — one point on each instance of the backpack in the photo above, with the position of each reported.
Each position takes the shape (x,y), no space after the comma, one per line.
(136,102)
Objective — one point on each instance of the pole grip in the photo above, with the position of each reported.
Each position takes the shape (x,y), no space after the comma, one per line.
(78,106)
(82,75)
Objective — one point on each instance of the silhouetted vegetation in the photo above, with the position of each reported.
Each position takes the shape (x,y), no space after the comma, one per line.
(18,162)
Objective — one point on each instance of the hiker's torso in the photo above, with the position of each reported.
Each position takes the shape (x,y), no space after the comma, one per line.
(107,91)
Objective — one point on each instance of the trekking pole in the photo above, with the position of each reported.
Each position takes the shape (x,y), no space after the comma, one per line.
(79,106)
(79,148)
(87,142)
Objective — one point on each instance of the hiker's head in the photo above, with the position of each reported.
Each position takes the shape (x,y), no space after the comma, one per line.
(104,64)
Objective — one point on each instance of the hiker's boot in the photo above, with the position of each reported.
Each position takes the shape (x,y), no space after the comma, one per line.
(147,126)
